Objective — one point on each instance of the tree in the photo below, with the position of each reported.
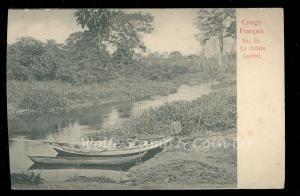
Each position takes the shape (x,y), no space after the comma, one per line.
(115,31)
(128,30)
(30,58)
(21,57)
(218,22)
(85,63)
(14,69)
(203,41)
(45,66)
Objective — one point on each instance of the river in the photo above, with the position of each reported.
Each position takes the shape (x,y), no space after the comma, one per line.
(70,127)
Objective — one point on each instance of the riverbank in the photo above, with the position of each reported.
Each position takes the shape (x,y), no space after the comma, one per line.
(202,156)
(21,95)
(205,162)
(215,112)
(89,109)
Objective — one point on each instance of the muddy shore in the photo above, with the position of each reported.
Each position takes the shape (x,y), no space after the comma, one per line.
(198,166)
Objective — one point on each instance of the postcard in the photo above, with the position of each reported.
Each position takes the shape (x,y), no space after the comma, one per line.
(147,99)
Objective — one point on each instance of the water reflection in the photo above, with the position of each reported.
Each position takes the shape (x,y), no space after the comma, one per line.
(69,127)
(124,167)
(184,93)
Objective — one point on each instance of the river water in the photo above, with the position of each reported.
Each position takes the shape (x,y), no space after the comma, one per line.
(70,127)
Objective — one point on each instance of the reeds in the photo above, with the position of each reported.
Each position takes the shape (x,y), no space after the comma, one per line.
(213,112)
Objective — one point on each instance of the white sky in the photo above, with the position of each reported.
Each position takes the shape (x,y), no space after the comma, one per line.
(173,28)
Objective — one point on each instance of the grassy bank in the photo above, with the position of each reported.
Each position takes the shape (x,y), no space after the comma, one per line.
(203,156)
(83,104)
(213,112)
(41,96)
(51,96)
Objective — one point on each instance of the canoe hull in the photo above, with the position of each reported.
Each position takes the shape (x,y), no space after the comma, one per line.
(96,161)
(63,152)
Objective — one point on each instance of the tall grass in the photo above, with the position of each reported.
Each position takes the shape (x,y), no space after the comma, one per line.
(211,64)
(41,100)
(44,95)
(151,76)
(213,112)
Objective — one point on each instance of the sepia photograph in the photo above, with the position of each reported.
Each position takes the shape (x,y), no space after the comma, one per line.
(122,98)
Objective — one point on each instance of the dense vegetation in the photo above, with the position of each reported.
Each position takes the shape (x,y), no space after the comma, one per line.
(31,59)
(213,112)
(104,61)
(110,45)
(220,23)
(45,96)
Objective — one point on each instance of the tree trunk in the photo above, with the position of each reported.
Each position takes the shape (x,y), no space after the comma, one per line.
(203,56)
(99,44)
(203,47)
(221,51)
(101,49)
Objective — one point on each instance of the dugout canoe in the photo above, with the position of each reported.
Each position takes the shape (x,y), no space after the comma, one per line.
(70,150)
(96,161)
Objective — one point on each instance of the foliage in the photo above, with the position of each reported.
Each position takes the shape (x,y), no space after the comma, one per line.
(21,55)
(213,22)
(41,100)
(220,23)
(211,65)
(122,89)
(115,30)
(213,112)
(161,68)
(78,62)
(103,61)
(45,67)
(110,47)
(109,40)
(29,58)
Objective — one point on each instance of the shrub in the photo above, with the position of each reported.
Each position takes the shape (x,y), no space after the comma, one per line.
(41,100)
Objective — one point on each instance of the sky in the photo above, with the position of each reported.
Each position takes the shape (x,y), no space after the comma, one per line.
(174,29)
